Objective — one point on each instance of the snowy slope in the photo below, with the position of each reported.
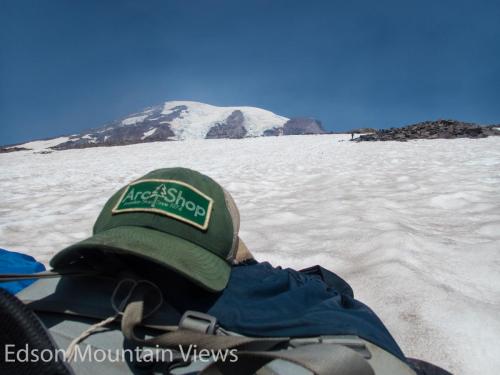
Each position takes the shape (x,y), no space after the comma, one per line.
(197,119)
(44,144)
(414,226)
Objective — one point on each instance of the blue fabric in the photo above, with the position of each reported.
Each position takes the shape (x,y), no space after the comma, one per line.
(261,300)
(12,262)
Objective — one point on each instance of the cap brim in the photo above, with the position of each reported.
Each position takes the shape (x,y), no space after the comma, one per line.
(190,260)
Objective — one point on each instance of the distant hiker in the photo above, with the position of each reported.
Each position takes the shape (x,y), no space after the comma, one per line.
(352,136)
(165,256)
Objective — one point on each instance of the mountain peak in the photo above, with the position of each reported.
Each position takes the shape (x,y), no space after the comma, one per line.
(182,120)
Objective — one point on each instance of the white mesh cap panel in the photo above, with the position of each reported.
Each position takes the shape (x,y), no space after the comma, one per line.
(235,217)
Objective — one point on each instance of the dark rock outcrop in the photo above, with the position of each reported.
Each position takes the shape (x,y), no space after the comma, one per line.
(154,127)
(176,113)
(162,133)
(301,125)
(232,128)
(274,132)
(297,126)
(444,129)
(4,150)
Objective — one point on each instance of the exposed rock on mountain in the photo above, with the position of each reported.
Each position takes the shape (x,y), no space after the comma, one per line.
(4,150)
(432,130)
(301,125)
(297,126)
(233,127)
(118,136)
(273,132)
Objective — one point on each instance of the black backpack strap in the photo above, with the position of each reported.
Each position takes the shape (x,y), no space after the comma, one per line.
(45,274)
(133,317)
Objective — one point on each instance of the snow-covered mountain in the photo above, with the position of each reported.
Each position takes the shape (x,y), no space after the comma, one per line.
(182,120)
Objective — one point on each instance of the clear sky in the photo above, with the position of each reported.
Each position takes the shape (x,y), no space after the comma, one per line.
(70,65)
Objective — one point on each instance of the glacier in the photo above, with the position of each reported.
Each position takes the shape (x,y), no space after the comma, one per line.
(196,120)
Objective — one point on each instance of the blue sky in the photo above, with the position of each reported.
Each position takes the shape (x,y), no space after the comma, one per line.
(70,65)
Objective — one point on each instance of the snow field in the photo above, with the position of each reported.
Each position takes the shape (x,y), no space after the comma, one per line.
(414,227)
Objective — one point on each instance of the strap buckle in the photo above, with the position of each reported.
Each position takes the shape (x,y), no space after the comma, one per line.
(199,322)
(352,342)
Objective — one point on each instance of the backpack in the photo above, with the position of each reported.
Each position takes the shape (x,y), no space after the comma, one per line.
(106,324)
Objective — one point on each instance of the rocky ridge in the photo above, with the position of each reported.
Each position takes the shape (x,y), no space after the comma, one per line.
(440,129)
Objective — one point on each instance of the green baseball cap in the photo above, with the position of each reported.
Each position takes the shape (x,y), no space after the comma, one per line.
(176,217)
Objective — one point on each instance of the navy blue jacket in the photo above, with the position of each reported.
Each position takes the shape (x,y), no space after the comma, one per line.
(262,300)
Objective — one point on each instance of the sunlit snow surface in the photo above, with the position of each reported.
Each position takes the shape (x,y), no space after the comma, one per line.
(43,144)
(414,227)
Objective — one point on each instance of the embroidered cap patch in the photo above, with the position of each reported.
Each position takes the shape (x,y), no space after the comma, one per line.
(171,198)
